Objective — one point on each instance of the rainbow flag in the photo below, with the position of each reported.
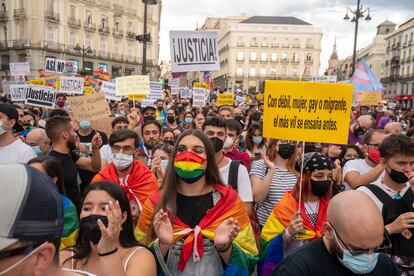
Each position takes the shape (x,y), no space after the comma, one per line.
(50,80)
(70,224)
(89,81)
(271,239)
(244,256)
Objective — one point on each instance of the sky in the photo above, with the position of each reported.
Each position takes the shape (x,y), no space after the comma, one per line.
(325,14)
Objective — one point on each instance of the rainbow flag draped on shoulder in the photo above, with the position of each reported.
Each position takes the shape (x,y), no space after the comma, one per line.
(271,240)
(71,223)
(244,255)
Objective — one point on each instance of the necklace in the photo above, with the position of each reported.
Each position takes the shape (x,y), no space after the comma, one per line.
(394,194)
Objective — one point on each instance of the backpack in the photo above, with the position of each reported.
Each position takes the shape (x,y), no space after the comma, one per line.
(234,174)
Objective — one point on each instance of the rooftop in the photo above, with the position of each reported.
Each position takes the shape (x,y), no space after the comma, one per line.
(275,20)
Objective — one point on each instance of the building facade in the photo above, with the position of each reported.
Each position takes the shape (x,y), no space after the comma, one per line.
(31,30)
(261,48)
(398,79)
(373,55)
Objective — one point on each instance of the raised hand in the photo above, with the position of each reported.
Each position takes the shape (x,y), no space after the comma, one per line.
(296,224)
(226,232)
(110,234)
(96,141)
(163,227)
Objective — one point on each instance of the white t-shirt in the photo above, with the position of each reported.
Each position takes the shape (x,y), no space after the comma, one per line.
(106,153)
(16,152)
(357,165)
(244,186)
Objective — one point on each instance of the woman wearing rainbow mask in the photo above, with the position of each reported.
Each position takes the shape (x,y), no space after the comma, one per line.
(195,225)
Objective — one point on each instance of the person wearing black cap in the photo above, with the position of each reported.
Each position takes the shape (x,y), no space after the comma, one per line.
(31,223)
(12,149)
(149,113)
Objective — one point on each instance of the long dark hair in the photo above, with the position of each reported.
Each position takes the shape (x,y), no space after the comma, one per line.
(170,183)
(250,132)
(53,169)
(82,248)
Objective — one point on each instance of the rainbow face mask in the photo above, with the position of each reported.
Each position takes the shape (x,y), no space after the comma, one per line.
(189,166)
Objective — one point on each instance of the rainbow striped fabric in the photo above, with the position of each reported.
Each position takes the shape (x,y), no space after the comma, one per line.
(71,223)
(50,80)
(189,164)
(244,255)
(271,240)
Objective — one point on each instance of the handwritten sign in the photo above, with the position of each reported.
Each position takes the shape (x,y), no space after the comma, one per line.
(225,99)
(108,88)
(71,85)
(199,97)
(131,85)
(20,69)
(185,93)
(89,107)
(41,96)
(370,97)
(174,82)
(18,92)
(147,102)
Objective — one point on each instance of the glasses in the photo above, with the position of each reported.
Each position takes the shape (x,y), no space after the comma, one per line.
(379,249)
(18,251)
(374,145)
(116,148)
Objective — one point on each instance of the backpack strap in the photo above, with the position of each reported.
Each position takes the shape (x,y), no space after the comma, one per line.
(379,193)
(234,173)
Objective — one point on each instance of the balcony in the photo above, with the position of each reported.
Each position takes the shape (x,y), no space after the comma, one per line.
(295,45)
(73,22)
(131,11)
(285,46)
(4,15)
(52,16)
(104,3)
(52,45)
(275,45)
(254,44)
(130,59)
(264,60)
(253,60)
(265,45)
(118,33)
(295,61)
(240,59)
(104,30)
(310,46)
(241,44)
(5,44)
(284,60)
(395,60)
(309,61)
(20,43)
(89,26)
(19,13)
(274,60)
(398,44)
(116,56)
(104,54)
(131,35)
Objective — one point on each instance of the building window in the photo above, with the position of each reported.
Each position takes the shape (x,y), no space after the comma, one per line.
(295,71)
(129,28)
(129,71)
(50,5)
(284,56)
(88,41)
(72,11)
(263,71)
(103,45)
(253,56)
(50,35)
(239,71)
(274,56)
(286,42)
(88,66)
(88,14)
(22,58)
(116,47)
(411,40)
(307,72)
(309,41)
(72,39)
(240,55)
(295,57)
(103,22)
(263,56)
(284,71)
(117,24)
(252,71)
(3,8)
(309,57)
(273,72)
(130,50)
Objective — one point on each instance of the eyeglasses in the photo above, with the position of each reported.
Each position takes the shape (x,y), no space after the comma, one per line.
(19,251)
(124,149)
(374,145)
(379,249)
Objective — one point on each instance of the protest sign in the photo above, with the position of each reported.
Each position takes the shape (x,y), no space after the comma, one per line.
(18,92)
(156,91)
(137,97)
(307,111)
(225,99)
(185,93)
(89,107)
(194,51)
(6,86)
(259,97)
(199,98)
(131,85)
(41,96)
(329,78)
(20,69)
(370,97)
(175,90)
(108,88)
(87,90)
(391,105)
(174,82)
(147,102)
(240,99)
(55,65)
(71,85)
(37,82)
(103,125)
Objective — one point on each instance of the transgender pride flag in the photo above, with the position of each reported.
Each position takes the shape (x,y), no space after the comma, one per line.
(364,79)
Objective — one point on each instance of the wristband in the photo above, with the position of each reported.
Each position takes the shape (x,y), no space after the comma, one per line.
(223,249)
(107,253)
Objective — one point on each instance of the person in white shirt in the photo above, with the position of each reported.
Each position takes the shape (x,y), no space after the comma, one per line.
(12,149)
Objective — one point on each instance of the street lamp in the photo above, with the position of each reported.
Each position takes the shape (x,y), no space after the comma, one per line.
(83,50)
(145,37)
(358,13)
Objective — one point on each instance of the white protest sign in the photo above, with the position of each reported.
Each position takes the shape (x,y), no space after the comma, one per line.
(199,98)
(147,102)
(329,78)
(175,90)
(60,66)
(18,92)
(132,85)
(108,88)
(41,96)
(156,91)
(174,82)
(71,85)
(194,51)
(20,69)
(240,99)
(185,93)
(55,65)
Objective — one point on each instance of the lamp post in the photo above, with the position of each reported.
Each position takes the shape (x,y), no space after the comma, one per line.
(358,13)
(83,50)
(145,37)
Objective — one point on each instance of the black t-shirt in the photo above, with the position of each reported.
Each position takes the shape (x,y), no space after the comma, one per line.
(70,175)
(191,209)
(315,259)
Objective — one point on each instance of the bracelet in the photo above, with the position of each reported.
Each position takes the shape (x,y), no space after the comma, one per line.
(107,253)
(223,249)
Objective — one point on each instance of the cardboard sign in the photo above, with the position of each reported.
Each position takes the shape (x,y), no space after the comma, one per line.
(225,99)
(18,92)
(137,97)
(41,96)
(20,69)
(370,97)
(37,82)
(307,111)
(55,65)
(131,85)
(194,51)
(174,82)
(185,93)
(103,125)
(199,97)
(71,85)
(89,107)
(108,88)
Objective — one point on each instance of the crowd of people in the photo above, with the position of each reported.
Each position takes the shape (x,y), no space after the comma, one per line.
(176,189)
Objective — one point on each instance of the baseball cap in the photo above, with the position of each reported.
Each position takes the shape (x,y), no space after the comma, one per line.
(30,206)
(148,107)
(12,113)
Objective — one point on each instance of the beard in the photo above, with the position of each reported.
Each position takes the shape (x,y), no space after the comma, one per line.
(71,144)
(150,144)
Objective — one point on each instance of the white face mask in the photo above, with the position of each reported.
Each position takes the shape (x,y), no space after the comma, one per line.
(228,143)
(2,130)
(122,161)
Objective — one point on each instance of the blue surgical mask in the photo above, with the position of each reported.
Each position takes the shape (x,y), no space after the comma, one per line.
(2,130)
(188,120)
(85,124)
(257,139)
(37,150)
(164,164)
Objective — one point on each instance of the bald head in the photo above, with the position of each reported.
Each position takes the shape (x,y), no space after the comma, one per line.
(38,137)
(357,219)
(365,121)
(393,128)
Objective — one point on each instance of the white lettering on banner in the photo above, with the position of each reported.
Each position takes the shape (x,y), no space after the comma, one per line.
(199,98)
(185,93)
(18,92)
(71,85)
(41,96)
(147,102)
(194,51)
(175,90)
(174,82)
(20,69)
(50,65)
(60,66)
(108,88)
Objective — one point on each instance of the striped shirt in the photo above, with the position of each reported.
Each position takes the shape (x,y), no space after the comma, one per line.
(282,182)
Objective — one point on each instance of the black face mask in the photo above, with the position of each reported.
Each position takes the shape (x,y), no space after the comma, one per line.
(397,177)
(171,119)
(359,131)
(168,142)
(286,150)
(217,144)
(343,162)
(320,188)
(90,228)
(238,118)
(149,118)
